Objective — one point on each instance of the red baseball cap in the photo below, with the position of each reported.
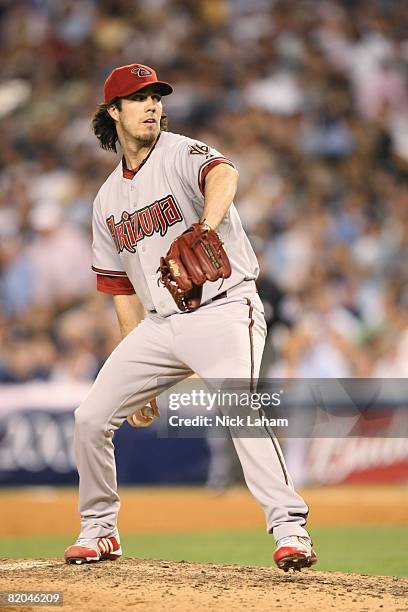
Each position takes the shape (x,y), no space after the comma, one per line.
(125,80)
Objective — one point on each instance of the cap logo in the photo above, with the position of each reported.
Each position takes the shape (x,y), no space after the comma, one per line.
(141,71)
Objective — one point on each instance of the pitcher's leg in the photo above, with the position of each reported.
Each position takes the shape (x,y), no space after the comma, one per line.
(234,342)
(128,380)
(269,482)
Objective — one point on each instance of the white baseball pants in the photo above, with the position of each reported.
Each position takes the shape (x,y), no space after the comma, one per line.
(222,339)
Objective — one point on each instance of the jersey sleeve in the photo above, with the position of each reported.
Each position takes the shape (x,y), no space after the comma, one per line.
(195,160)
(111,277)
(115,285)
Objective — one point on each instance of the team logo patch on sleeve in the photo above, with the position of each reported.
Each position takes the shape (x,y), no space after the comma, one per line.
(198,149)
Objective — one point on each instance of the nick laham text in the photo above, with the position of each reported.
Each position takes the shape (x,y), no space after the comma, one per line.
(226,421)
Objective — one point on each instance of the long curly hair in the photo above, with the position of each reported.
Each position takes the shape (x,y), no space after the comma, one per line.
(104,127)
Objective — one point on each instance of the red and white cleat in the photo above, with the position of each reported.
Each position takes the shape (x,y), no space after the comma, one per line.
(294,552)
(92,550)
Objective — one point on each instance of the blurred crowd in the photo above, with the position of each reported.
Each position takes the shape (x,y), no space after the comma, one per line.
(308,98)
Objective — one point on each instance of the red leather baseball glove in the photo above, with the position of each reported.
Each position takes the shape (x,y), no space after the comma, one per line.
(193,258)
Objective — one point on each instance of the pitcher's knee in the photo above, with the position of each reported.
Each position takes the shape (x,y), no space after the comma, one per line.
(88,422)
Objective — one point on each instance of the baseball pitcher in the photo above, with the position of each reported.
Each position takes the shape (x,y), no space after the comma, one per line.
(169,246)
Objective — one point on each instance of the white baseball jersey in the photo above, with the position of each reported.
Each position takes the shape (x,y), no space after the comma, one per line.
(137,214)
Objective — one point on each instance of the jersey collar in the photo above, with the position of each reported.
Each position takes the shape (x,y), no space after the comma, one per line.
(130,173)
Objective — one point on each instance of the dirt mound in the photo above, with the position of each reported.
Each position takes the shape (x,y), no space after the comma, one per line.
(153,586)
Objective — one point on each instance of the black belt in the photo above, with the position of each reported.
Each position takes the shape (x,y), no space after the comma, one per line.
(220,296)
